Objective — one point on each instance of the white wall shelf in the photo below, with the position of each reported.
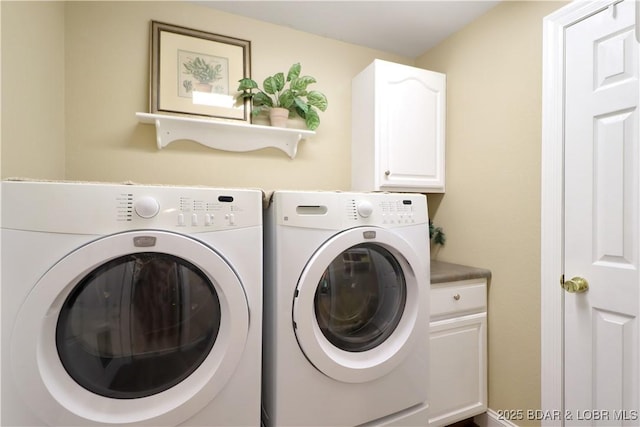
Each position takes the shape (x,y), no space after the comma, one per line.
(224,135)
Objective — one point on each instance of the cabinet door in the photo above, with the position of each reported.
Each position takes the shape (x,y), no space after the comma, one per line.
(411,127)
(458,376)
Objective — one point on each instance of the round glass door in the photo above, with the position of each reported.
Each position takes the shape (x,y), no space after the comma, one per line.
(357,302)
(138,325)
(122,333)
(360,298)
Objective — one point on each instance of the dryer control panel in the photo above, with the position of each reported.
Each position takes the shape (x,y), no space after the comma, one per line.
(336,210)
(93,208)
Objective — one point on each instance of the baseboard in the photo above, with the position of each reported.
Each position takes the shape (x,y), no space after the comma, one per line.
(492,419)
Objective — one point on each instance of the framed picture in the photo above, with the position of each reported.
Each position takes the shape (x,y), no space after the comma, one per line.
(197,73)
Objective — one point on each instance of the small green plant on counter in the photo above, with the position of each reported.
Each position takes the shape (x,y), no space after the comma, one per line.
(436,234)
(290,93)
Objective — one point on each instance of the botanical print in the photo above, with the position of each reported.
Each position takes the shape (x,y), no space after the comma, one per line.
(200,72)
(192,72)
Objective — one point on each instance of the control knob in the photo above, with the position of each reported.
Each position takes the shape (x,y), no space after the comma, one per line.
(365,209)
(146,207)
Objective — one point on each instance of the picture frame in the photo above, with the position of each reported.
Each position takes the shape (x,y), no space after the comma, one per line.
(196,73)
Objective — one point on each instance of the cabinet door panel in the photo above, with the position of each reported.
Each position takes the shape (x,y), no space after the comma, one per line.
(457,369)
(411,126)
(398,129)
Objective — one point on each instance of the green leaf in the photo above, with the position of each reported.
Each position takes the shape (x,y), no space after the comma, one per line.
(257,110)
(274,84)
(247,84)
(294,72)
(269,85)
(312,120)
(286,99)
(318,100)
(298,111)
(262,98)
(302,106)
(280,81)
(301,83)
(436,234)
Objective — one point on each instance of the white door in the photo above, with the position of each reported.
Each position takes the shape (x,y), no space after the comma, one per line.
(601,360)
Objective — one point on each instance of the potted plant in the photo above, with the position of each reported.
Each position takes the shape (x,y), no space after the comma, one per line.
(437,238)
(203,72)
(289,94)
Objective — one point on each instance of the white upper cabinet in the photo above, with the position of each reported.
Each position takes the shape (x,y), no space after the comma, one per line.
(398,129)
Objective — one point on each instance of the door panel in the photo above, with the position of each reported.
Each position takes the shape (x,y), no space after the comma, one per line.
(458,378)
(41,375)
(601,217)
(421,137)
(410,154)
(371,363)
(614,335)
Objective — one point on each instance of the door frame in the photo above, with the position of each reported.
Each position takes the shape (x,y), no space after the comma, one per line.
(552,201)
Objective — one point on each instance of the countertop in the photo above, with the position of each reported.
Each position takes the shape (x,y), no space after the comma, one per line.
(442,272)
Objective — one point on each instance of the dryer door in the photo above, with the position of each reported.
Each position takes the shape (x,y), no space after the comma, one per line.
(356,305)
(138,327)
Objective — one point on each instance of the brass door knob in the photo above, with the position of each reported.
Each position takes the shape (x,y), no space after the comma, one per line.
(576,285)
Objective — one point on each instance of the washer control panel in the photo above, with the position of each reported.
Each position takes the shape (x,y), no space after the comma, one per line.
(204,209)
(339,210)
(92,208)
(400,212)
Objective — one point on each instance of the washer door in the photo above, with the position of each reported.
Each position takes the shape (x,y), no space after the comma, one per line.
(356,304)
(137,327)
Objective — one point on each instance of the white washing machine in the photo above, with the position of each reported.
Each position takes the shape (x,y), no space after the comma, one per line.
(346,309)
(130,305)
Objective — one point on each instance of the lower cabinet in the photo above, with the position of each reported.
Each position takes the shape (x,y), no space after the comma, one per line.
(458,340)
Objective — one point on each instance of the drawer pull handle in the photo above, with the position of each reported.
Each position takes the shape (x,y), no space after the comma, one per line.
(456,297)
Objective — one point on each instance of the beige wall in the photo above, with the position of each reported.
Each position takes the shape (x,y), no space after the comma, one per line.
(33,140)
(491,210)
(106,67)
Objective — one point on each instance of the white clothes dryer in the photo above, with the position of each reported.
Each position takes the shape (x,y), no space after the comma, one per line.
(130,305)
(346,309)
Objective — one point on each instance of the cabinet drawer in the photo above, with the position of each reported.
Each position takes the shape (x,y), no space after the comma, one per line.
(458,297)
